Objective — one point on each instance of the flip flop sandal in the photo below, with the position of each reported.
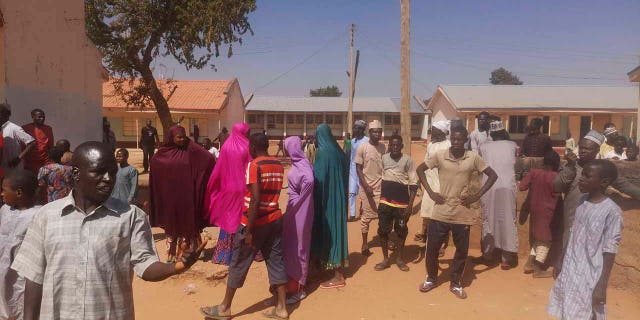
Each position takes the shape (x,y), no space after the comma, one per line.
(381,266)
(427,286)
(403,267)
(458,292)
(272,315)
(420,237)
(333,285)
(212,313)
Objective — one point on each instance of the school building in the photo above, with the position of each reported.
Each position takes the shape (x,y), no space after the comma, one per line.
(209,104)
(48,62)
(289,116)
(564,109)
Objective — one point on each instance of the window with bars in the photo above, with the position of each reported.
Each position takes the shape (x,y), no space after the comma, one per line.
(129,127)
(517,124)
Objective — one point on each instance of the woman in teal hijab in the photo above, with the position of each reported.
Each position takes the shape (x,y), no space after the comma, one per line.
(329,237)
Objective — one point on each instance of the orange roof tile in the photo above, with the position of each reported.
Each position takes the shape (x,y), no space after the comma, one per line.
(194,95)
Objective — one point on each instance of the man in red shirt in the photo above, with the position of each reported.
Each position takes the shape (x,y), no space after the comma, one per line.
(43,135)
(260,230)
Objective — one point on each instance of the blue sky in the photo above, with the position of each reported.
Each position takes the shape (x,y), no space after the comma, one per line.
(544,42)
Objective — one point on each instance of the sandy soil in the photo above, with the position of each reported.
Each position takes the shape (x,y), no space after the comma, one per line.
(391,294)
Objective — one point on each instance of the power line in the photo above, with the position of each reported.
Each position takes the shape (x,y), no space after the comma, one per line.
(393,62)
(278,77)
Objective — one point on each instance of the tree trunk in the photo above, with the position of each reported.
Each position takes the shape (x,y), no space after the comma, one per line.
(162,107)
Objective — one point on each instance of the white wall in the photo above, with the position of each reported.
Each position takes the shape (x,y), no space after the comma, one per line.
(51,64)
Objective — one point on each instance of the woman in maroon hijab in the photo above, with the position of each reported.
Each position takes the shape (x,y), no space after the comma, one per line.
(178,180)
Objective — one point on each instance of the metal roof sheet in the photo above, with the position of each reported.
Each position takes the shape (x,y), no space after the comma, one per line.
(329,104)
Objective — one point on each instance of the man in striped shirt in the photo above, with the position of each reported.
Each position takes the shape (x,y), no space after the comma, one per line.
(260,229)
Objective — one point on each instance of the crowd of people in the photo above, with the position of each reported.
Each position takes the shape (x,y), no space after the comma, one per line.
(73,235)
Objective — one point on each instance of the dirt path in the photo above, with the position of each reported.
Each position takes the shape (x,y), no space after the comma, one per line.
(390,294)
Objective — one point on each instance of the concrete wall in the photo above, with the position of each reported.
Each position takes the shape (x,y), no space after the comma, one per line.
(234,111)
(50,63)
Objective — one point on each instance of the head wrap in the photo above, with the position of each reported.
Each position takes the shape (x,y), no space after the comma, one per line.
(375,124)
(610,130)
(360,124)
(595,136)
(496,126)
(442,125)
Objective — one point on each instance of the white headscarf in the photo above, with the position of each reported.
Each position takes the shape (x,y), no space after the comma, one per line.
(442,125)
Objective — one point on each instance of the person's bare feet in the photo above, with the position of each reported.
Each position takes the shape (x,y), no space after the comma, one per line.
(276,313)
(216,312)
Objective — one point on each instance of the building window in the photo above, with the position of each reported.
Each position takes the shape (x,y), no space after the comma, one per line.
(291,118)
(545,125)
(416,120)
(129,127)
(271,121)
(299,118)
(517,124)
(251,118)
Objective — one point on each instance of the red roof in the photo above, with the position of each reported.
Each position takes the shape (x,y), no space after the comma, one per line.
(188,95)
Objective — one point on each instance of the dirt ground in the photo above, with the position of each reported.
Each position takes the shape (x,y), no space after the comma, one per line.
(390,294)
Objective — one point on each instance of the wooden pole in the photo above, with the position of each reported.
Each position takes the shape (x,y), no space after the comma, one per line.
(405,74)
(351,83)
(638,117)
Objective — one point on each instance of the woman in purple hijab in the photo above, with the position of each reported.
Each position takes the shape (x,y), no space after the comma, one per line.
(179,173)
(226,188)
(297,220)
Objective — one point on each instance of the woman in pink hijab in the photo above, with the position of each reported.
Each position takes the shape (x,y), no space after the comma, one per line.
(226,188)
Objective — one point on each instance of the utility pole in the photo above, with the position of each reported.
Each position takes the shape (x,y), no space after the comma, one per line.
(352,82)
(405,73)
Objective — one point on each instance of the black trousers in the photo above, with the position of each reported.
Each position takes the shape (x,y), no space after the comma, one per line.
(438,232)
(147,153)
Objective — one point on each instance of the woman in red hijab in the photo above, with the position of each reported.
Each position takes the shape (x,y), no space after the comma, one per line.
(179,173)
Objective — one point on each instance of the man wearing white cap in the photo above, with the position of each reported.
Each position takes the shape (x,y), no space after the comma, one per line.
(369,167)
(359,138)
(567,182)
(481,134)
(439,142)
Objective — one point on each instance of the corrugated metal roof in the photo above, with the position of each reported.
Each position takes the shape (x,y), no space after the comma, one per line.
(471,97)
(208,95)
(328,104)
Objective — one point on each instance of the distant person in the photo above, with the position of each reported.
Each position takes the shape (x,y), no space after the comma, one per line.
(108,137)
(499,228)
(359,128)
(329,241)
(398,191)
(539,182)
(536,143)
(14,137)
(618,152)
(369,168)
(196,133)
(310,149)
(126,186)
(610,133)
(347,144)
(180,167)
(43,135)
(67,155)
(481,134)
(280,147)
(208,145)
(55,177)
(452,213)
(80,252)
(632,152)
(222,136)
(149,141)
(19,195)
(260,230)
(580,291)
(297,221)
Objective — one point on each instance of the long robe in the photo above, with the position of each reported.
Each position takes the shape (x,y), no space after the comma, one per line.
(499,229)
(39,156)
(329,236)
(298,218)
(426,208)
(178,182)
